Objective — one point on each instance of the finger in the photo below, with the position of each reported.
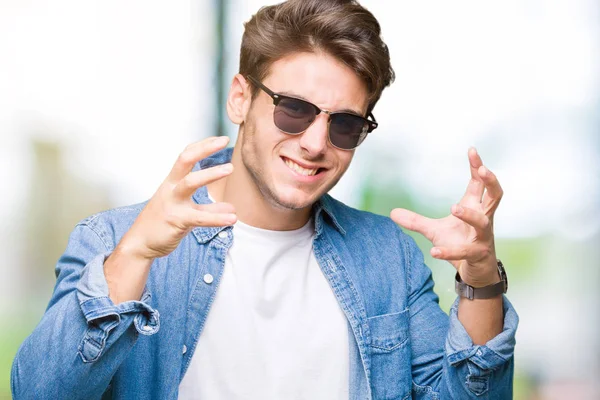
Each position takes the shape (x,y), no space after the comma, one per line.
(471,252)
(194,153)
(223,208)
(209,219)
(192,181)
(493,193)
(413,222)
(476,186)
(475,218)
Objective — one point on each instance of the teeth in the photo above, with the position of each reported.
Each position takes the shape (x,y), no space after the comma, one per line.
(299,169)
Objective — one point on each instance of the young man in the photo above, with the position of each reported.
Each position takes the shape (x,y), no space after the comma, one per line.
(267,287)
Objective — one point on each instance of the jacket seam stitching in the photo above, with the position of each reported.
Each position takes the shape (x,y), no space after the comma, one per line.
(390,349)
(108,248)
(408,264)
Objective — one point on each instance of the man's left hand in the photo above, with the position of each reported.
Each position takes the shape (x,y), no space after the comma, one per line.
(465,238)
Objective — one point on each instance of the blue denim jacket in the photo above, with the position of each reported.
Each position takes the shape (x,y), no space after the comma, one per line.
(402,345)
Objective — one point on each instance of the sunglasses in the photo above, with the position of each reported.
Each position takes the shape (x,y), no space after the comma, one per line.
(293,116)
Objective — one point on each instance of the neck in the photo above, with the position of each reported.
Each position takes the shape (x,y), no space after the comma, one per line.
(252,208)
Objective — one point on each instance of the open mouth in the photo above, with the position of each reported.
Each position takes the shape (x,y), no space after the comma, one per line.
(300,169)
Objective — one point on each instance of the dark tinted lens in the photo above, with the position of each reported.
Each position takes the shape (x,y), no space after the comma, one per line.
(293,115)
(347,131)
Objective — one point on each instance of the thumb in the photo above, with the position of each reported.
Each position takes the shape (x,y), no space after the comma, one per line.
(412,221)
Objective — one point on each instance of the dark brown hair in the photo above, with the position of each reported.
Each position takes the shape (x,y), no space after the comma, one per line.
(341,28)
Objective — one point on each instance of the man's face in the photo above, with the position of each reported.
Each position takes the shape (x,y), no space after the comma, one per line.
(293,171)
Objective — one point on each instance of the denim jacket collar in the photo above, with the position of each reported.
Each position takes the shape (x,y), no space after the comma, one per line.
(206,234)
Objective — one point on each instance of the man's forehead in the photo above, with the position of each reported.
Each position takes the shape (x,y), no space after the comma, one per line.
(318,78)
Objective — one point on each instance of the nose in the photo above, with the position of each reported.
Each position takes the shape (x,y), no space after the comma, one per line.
(314,139)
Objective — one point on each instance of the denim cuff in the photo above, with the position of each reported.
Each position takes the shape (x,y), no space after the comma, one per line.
(492,355)
(96,305)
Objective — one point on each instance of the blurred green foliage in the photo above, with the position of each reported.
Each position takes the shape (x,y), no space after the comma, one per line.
(11,338)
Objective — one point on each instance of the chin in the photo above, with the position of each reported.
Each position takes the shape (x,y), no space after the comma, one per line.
(293,199)
(294,203)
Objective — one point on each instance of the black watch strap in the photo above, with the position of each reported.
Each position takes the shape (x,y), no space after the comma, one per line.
(486,292)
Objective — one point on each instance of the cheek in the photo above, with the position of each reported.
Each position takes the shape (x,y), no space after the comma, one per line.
(264,131)
(345,157)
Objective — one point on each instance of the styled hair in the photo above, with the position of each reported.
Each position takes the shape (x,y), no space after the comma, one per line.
(342,29)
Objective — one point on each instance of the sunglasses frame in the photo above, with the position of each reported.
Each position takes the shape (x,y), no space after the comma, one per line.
(371,123)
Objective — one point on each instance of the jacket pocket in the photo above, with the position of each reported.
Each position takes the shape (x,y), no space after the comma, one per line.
(390,356)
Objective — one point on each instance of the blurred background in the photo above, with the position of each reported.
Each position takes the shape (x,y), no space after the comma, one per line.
(97,99)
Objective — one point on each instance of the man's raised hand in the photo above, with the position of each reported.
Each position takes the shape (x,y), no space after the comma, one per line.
(465,238)
(171,213)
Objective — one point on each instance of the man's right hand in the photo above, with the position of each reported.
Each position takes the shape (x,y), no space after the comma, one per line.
(171,213)
(166,219)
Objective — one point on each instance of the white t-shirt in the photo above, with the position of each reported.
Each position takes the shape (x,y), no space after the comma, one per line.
(275,330)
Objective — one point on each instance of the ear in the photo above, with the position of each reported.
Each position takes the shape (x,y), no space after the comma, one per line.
(238,99)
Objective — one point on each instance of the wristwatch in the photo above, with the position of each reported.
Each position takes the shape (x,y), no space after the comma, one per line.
(486,292)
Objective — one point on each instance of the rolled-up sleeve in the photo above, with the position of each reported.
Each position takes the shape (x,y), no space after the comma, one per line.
(445,362)
(83,336)
(481,360)
(96,305)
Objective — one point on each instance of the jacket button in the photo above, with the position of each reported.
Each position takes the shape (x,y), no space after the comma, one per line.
(184,349)
(222,234)
(208,278)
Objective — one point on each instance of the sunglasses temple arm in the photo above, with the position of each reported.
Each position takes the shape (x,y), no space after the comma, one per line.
(263,87)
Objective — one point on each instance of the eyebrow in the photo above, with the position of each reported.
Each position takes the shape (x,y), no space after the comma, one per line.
(297,96)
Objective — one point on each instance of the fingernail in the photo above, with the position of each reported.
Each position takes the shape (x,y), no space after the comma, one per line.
(220,140)
(458,210)
(227,167)
(435,252)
